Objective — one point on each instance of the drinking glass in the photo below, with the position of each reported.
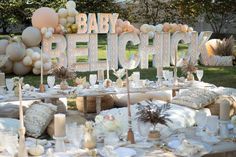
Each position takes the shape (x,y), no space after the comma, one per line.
(92,79)
(51,81)
(10,84)
(212,125)
(199,75)
(143,129)
(166,74)
(201,120)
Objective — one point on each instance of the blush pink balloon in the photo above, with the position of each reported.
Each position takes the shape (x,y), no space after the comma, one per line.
(118,30)
(136,30)
(119,22)
(126,22)
(45,17)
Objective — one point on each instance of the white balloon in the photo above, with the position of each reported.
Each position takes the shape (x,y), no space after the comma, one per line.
(152,28)
(29,52)
(62,12)
(31,36)
(35,56)
(44,30)
(37,64)
(48,34)
(72,12)
(36,71)
(36,49)
(50,29)
(159,28)
(151,35)
(3,46)
(47,66)
(27,61)
(144,28)
(15,51)
(70,19)
(70,4)
(63,21)
(20,69)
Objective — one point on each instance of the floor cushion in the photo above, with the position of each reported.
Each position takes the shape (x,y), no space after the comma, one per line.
(160,95)
(61,107)
(37,118)
(107,102)
(121,99)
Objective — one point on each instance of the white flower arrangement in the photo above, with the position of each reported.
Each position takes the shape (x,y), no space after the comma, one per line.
(233,120)
(108,122)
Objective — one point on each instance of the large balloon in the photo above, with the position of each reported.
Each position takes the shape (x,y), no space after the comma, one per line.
(45,17)
(7,68)
(31,36)
(3,46)
(20,69)
(16,51)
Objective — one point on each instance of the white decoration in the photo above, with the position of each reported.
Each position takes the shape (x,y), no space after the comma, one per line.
(37,64)
(63,21)
(176,38)
(151,35)
(73,51)
(124,38)
(44,30)
(29,52)
(144,28)
(92,23)
(3,46)
(48,34)
(36,71)
(112,49)
(62,12)
(81,21)
(58,51)
(159,28)
(193,52)
(166,49)
(70,19)
(70,4)
(72,12)
(103,22)
(27,61)
(35,56)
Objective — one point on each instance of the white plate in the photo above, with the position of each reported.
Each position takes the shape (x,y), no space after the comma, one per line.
(125,152)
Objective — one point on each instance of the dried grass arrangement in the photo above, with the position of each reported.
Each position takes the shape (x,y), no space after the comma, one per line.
(224,47)
(62,73)
(153,113)
(188,67)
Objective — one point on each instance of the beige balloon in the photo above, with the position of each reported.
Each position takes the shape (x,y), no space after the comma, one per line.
(27,61)
(3,46)
(16,51)
(36,49)
(31,36)
(7,68)
(20,69)
(36,71)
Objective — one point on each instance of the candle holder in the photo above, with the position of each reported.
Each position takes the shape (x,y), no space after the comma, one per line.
(59,144)
(41,88)
(224,132)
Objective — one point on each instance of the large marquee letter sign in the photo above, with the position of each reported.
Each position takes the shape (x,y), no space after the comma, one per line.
(56,48)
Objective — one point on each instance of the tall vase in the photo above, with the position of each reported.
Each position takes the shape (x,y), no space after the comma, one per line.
(64,85)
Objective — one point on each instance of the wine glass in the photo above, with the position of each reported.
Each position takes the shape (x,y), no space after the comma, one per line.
(143,129)
(10,85)
(51,81)
(199,75)
(212,125)
(92,79)
(201,120)
(165,74)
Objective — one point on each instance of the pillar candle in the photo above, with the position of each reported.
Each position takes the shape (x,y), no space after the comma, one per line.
(41,68)
(60,125)
(224,111)
(2,79)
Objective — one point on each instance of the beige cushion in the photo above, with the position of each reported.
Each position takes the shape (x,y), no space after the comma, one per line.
(121,99)
(160,95)
(61,107)
(37,118)
(195,98)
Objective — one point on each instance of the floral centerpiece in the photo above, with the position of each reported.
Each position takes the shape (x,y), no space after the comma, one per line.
(16,81)
(119,74)
(188,69)
(63,74)
(111,128)
(154,114)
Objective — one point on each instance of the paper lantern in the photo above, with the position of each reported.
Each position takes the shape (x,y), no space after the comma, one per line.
(16,51)
(20,69)
(31,36)
(3,46)
(7,68)
(62,12)
(70,4)
(45,17)
(27,61)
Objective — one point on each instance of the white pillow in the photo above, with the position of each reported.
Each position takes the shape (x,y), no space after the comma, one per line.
(9,124)
(38,117)
(195,98)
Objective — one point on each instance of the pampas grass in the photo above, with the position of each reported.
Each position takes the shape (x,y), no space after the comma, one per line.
(224,47)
